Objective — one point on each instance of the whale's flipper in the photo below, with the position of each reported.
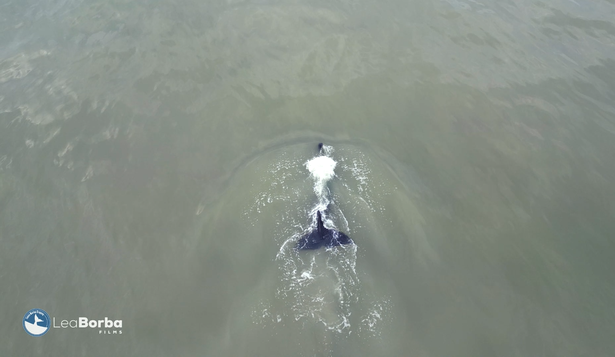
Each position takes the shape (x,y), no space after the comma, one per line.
(322,237)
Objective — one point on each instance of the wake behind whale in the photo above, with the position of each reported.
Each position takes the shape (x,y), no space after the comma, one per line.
(322,170)
(333,300)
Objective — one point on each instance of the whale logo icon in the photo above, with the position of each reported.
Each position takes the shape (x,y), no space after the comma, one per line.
(36,322)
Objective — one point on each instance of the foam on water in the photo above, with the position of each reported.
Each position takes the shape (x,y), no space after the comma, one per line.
(322,169)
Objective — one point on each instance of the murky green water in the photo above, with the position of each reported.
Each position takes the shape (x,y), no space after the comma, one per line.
(152,170)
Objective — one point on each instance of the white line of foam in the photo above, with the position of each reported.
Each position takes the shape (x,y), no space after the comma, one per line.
(322,169)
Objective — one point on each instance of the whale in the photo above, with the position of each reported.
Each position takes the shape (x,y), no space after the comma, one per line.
(322,237)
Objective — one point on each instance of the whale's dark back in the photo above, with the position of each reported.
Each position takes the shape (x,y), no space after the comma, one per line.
(322,237)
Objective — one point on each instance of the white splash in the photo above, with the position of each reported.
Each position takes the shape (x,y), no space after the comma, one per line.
(322,169)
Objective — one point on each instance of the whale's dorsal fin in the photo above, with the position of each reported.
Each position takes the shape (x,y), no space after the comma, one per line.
(320,225)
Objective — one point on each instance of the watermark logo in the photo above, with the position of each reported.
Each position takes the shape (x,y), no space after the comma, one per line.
(36,322)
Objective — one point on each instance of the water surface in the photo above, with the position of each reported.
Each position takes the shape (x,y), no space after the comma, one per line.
(152,169)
